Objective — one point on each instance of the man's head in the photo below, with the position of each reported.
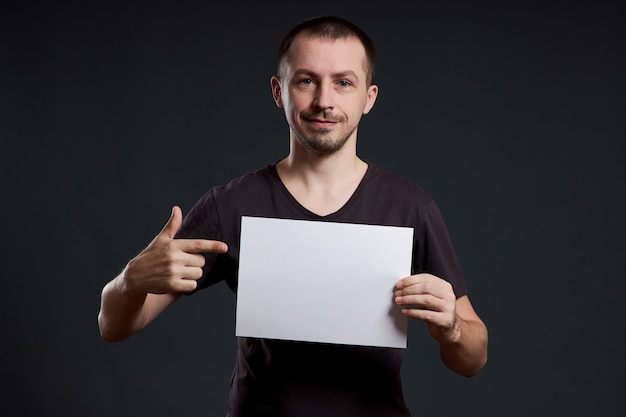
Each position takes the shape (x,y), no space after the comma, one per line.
(330,28)
(324,84)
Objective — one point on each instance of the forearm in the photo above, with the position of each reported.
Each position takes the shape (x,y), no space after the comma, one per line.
(122,313)
(467,354)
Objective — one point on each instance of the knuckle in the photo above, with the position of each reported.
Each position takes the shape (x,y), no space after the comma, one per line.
(428,301)
(169,257)
(197,245)
(198,272)
(171,269)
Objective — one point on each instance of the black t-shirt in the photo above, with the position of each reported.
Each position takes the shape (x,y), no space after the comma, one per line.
(284,378)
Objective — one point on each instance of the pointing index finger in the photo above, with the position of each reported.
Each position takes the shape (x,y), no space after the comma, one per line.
(202,246)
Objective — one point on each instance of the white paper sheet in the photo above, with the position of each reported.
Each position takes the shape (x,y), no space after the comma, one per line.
(322,281)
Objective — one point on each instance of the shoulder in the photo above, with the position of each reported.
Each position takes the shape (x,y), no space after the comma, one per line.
(254,182)
(237,189)
(387,182)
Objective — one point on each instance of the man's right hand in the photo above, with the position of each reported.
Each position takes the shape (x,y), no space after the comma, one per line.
(169,265)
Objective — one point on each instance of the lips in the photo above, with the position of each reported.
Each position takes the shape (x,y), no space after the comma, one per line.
(322,122)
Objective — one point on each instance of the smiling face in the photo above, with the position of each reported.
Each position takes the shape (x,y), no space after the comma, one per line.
(324,92)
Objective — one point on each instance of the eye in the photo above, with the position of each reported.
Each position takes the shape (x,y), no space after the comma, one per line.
(344,83)
(306,81)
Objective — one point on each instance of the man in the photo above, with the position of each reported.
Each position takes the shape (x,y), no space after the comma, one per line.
(324,84)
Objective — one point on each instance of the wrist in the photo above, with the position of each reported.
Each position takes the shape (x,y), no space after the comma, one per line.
(126,285)
(453,335)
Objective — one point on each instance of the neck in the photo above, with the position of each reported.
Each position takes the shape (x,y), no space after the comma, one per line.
(325,170)
(321,183)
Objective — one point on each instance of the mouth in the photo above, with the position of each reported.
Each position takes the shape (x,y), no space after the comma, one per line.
(322,123)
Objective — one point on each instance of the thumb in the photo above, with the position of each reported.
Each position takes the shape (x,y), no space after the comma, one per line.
(173,224)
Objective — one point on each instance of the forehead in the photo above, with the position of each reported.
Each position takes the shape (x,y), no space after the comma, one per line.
(325,55)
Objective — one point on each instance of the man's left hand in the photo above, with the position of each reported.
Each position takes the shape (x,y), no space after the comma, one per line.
(430,299)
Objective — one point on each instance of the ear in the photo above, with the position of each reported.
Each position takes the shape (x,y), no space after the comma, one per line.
(276,91)
(372,93)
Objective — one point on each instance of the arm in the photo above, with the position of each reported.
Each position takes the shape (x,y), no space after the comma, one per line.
(452,322)
(152,281)
(124,313)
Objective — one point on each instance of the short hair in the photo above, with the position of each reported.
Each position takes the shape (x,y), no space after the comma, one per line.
(330,27)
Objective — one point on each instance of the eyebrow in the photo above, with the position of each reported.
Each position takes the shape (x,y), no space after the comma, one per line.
(341,74)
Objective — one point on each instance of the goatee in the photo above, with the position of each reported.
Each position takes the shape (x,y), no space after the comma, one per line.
(321,141)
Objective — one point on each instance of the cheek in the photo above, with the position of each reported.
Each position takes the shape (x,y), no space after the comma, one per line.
(291,109)
(296,104)
(357,109)
(365,107)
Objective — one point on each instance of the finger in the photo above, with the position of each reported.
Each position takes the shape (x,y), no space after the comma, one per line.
(193,260)
(424,301)
(425,284)
(180,259)
(420,288)
(184,285)
(201,246)
(411,280)
(173,224)
(428,316)
(192,273)
(181,278)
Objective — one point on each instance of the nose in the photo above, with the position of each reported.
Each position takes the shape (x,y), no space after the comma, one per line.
(324,97)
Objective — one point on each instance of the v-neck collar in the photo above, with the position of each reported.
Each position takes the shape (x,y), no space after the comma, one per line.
(308,213)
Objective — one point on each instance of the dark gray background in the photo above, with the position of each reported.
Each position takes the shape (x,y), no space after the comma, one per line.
(511,114)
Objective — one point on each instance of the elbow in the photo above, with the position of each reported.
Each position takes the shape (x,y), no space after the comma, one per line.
(479,362)
(106,334)
(109,338)
(474,370)
(467,368)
